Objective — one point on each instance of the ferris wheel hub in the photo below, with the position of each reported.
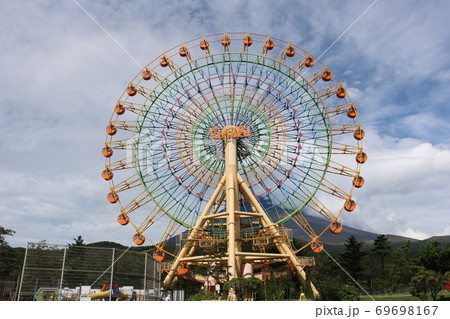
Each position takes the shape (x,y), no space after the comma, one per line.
(230,131)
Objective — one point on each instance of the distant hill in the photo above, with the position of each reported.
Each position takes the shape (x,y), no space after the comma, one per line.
(335,242)
(107,244)
(318,224)
(441,239)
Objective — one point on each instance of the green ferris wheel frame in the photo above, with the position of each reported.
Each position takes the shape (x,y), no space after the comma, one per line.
(179,74)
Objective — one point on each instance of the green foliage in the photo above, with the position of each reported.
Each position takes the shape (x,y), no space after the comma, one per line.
(434,257)
(190,287)
(203,295)
(10,258)
(5,232)
(401,273)
(244,286)
(447,277)
(382,247)
(349,293)
(327,279)
(351,258)
(426,283)
(78,241)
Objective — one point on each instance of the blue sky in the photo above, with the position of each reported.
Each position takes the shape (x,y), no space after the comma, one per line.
(61,76)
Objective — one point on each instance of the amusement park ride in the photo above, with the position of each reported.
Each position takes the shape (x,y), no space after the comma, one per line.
(231,135)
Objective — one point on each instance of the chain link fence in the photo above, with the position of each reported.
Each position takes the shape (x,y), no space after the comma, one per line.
(77,271)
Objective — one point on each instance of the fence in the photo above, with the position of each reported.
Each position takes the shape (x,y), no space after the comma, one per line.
(79,270)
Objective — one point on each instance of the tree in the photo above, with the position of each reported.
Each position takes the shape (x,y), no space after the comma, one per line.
(78,241)
(433,257)
(351,258)
(326,276)
(426,282)
(382,247)
(5,232)
(8,257)
(401,270)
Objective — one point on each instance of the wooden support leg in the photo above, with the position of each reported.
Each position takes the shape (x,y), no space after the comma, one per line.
(198,225)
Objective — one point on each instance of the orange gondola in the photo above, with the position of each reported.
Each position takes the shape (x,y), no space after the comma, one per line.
(123,219)
(138,239)
(327,75)
(336,227)
(247,41)
(146,74)
(119,109)
(159,255)
(341,92)
(112,197)
(164,61)
(182,268)
(352,112)
(361,157)
(358,181)
(350,205)
(131,89)
(183,51)
(309,61)
(359,134)
(107,151)
(107,174)
(290,51)
(226,40)
(204,44)
(316,246)
(269,44)
(111,129)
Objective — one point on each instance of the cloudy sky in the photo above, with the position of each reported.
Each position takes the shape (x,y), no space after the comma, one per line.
(61,76)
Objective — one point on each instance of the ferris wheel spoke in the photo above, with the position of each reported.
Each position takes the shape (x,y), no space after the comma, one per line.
(339,169)
(338,109)
(139,201)
(301,221)
(125,144)
(125,163)
(154,215)
(345,149)
(316,205)
(328,187)
(128,183)
(127,106)
(171,229)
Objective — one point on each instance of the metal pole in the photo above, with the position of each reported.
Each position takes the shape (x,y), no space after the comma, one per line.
(23,273)
(112,274)
(62,272)
(154,278)
(145,277)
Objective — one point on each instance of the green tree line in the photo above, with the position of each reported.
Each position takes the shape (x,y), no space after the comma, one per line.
(382,269)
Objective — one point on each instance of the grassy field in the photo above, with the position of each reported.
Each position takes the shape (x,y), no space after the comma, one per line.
(445,296)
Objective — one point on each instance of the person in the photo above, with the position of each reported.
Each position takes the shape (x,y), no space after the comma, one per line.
(167,298)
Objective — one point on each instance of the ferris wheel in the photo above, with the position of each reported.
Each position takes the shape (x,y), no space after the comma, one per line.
(238,111)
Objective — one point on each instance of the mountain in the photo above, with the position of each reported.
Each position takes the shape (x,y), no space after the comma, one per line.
(328,238)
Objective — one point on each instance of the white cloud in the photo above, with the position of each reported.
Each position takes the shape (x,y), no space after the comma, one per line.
(410,233)
(406,186)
